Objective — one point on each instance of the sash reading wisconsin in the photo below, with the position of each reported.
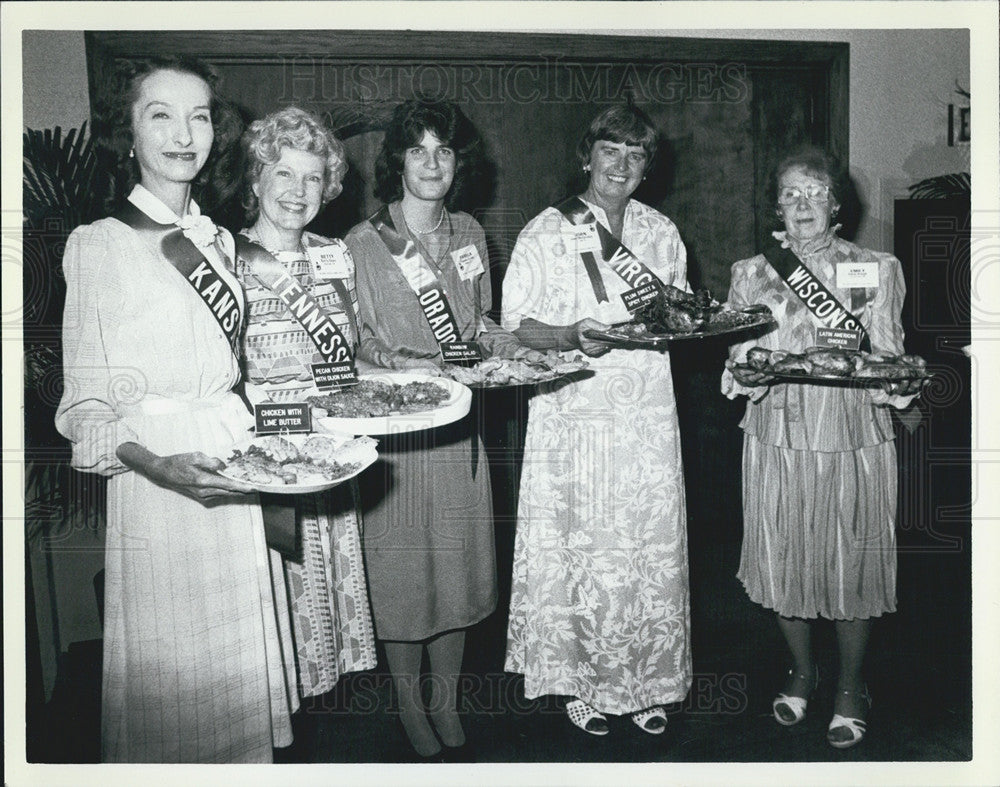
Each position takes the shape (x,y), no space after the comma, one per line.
(822,303)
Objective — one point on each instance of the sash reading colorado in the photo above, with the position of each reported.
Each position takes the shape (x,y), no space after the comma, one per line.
(422,280)
(820,301)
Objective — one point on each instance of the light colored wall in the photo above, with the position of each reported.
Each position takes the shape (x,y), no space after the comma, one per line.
(55,79)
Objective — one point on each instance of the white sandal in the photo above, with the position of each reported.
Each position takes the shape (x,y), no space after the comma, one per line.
(652,720)
(857,727)
(581,714)
(797,705)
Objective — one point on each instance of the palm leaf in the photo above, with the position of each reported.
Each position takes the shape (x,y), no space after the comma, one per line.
(943,187)
(61,179)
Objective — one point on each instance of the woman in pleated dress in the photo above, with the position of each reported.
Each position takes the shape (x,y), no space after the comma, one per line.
(193,668)
(295,166)
(819,461)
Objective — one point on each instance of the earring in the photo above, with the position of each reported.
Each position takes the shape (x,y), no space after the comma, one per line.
(131,153)
(586,167)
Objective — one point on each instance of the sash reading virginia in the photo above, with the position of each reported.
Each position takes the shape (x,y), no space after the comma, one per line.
(194,266)
(643,283)
(430,292)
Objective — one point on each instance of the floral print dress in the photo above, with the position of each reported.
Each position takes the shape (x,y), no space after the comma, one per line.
(599,600)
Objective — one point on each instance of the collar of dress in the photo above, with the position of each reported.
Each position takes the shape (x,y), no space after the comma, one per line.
(153,207)
(809,247)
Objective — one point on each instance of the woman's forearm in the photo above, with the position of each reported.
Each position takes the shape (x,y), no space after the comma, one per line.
(139,458)
(542,336)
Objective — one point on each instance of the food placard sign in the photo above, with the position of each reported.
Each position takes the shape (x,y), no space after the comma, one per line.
(838,338)
(334,376)
(273,418)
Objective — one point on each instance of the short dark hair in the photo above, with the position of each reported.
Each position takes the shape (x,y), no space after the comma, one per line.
(621,123)
(816,162)
(406,128)
(113,124)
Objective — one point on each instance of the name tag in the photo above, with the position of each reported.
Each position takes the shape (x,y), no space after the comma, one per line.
(838,338)
(461,352)
(330,262)
(468,262)
(334,376)
(282,418)
(857,274)
(638,297)
(585,238)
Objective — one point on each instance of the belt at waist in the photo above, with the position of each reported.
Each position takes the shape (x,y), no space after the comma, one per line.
(162,405)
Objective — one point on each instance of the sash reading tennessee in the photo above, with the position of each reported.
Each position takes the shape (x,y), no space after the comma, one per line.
(338,361)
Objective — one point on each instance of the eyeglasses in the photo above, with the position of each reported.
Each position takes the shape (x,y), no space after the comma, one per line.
(814,192)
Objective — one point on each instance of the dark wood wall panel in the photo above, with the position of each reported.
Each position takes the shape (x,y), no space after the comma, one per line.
(710,115)
(726,109)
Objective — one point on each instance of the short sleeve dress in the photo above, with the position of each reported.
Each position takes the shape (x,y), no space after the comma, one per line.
(819,462)
(428,511)
(193,668)
(328,597)
(599,602)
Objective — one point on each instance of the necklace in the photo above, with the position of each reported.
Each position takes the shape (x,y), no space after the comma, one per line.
(432,229)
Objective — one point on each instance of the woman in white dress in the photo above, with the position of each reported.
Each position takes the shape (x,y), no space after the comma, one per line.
(599,604)
(193,667)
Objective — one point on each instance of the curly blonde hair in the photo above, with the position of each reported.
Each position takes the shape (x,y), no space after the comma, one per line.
(291,127)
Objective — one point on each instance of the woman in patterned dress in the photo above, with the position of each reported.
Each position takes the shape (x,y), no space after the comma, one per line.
(428,539)
(192,657)
(819,462)
(295,166)
(599,601)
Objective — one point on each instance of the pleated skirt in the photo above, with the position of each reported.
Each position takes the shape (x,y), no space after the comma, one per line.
(819,530)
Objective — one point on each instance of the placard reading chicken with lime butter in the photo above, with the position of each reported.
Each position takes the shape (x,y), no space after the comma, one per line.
(282,418)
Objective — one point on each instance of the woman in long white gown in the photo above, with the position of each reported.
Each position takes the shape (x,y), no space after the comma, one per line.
(599,600)
(193,668)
